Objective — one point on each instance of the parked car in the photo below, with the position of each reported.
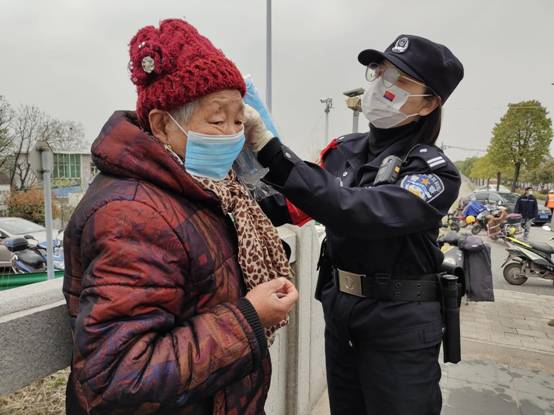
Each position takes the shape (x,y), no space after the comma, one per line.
(508,200)
(12,227)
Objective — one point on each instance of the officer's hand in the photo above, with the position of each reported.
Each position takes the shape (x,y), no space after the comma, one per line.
(273,300)
(254,129)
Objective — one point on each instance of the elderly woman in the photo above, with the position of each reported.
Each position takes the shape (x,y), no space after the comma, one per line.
(172,270)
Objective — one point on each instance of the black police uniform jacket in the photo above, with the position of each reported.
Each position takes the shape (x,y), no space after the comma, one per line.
(386,229)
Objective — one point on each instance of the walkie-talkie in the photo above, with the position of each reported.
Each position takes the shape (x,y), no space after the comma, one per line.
(388,171)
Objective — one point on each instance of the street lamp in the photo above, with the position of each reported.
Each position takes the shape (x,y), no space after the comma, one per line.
(354,102)
(328,105)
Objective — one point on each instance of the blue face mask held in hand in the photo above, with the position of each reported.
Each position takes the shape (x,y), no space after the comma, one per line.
(211,156)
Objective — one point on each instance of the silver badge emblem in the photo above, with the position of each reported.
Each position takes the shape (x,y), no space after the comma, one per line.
(148,64)
(401,45)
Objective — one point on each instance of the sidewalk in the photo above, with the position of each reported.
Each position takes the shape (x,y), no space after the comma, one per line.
(508,359)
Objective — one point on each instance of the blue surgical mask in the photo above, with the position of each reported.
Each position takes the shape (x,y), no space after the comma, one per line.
(211,156)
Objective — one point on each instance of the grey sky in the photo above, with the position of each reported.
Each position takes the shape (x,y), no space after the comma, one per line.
(69,57)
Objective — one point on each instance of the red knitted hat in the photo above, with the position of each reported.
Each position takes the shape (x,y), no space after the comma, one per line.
(174,65)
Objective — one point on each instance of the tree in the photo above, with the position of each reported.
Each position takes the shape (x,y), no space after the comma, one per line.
(484,168)
(542,174)
(27,127)
(6,115)
(466,165)
(30,124)
(29,205)
(521,138)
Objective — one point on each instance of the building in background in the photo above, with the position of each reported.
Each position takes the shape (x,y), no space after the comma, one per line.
(73,172)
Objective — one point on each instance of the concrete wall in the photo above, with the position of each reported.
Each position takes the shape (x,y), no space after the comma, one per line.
(35,339)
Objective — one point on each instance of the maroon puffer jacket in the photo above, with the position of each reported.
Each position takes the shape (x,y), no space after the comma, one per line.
(154,291)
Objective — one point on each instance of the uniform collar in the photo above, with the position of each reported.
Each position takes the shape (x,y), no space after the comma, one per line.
(382,138)
(396,141)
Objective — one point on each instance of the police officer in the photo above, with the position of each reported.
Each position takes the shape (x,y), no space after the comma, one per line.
(381,196)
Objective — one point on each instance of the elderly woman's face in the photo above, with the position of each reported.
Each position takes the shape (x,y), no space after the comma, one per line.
(219,113)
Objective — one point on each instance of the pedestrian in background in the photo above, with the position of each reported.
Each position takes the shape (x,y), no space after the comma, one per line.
(549,203)
(527,206)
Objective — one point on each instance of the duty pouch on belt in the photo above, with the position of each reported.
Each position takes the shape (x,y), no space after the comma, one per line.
(325,270)
(450,307)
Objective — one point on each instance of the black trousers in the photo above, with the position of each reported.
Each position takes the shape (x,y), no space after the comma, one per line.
(363,379)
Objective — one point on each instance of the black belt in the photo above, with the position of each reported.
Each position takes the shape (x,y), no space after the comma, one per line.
(386,287)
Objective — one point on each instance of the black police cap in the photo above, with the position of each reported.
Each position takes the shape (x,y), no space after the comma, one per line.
(428,62)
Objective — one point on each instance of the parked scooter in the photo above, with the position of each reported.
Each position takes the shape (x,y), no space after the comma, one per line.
(456,220)
(468,257)
(526,260)
(25,258)
(453,262)
(480,222)
(7,261)
(501,224)
(57,244)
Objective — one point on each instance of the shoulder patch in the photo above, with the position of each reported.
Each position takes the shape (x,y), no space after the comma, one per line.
(425,186)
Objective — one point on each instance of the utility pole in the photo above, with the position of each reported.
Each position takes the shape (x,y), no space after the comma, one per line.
(328,105)
(41,159)
(268,57)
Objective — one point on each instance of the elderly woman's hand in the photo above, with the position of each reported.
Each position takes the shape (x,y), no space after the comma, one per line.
(254,129)
(273,300)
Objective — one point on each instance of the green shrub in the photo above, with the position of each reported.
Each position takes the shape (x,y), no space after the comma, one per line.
(29,205)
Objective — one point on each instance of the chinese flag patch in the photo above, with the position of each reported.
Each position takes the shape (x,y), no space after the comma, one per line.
(389,95)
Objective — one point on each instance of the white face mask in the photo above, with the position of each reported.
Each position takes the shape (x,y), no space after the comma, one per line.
(381,105)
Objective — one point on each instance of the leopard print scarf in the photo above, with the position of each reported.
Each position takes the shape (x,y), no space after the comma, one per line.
(261,253)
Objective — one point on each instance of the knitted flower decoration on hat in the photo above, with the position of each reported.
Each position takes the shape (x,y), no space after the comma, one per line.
(174,65)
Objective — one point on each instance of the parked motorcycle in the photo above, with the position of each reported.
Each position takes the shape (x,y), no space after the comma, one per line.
(480,222)
(57,244)
(468,257)
(453,262)
(500,224)
(26,259)
(456,220)
(527,260)
(7,261)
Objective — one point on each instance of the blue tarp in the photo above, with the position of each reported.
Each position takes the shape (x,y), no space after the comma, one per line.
(473,208)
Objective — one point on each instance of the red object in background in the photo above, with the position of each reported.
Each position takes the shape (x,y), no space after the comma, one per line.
(297,217)
(389,95)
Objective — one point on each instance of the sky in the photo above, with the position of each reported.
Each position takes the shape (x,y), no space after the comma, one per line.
(69,57)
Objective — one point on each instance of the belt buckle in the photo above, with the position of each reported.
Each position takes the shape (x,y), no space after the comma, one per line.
(350,283)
